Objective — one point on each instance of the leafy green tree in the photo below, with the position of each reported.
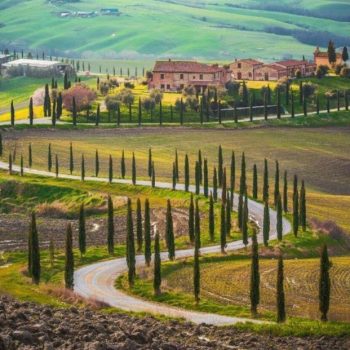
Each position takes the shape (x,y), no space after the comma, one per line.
(147,228)
(69,259)
(187,173)
(303,206)
(82,231)
(157,280)
(170,239)
(191,220)
(211,218)
(266,224)
(110,226)
(254,276)
(324,284)
(279,225)
(255,182)
(281,307)
(130,247)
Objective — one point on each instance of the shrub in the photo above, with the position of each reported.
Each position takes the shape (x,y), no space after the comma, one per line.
(308,89)
(112,103)
(83,95)
(322,71)
(345,72)
(148,104)
(156,95)
(129,85)
(126,97)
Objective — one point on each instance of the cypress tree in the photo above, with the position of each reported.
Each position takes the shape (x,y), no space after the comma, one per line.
(110,226)
(174,176)
(118,115)
(22,166)
(177,165)
(215,185)
(71,159)
(10,164)
(245,218)
(97,164)
(266,182)
(149,162)
(205,179)
(224,191)
(1,146)
(196,267)
(301,95)
(232,177)
(285,192)
(255,182)
(56,165)
(12,114)
(140,112)
(223,229)
(74,112)
(82,168)
(139,236)
(279,224)
(82,231)
(52,253)
(251,109)
(31,111)
(32,227)
(181,112)
(324,284)
(197,178)
(30,155)
(197,225)
(157,281)
(122,166)
(191,220)
(54,115)
(242,191)
(110,169)
(160,113)
(211,218)
(200,163)
(130,247)
(98,111)
(147,228)
(59,105)
(295,207)
(346,96)
(220,165)
(266,224)
(254,277)
(287,93)
(278,103)
(153,177)
(34,251)
(187,173)
(228,215)
(266,110)
(303,206)
(133,169)
(49,158)
(318,104)
(170,240)
(281,308)
(69,259)
(277,183)
(292,104)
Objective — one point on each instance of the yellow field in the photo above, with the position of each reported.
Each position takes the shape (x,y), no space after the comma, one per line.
(23,114)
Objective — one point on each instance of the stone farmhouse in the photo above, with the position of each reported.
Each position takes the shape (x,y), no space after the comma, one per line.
(175,75)
(321,58)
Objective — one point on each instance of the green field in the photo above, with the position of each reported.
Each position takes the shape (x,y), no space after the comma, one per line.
(152,29)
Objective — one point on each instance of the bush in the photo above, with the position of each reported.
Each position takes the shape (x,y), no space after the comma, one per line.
(156,95)
(298,74)
(232,87)
(129,85)
(126,97)
(308,89)
(148,104)
(112,103)
(345,72)
(83,95)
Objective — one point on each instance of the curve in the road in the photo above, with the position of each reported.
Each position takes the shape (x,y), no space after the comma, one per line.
(96,281)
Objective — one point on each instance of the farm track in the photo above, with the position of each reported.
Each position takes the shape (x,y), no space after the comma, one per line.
(97,280)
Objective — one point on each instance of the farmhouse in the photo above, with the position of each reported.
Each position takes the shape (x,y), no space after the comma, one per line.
(270,72)
(175,75)
(321,58)
(305,68)
(245,69)
(5,58)
(29,67)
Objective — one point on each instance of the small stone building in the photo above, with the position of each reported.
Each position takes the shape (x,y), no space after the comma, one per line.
(321,58)
(245,69)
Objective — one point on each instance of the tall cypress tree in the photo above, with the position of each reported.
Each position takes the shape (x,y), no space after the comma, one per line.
(232,177)
(200,166)
(1,146)
(34,252)
(139,235)
(157,280)
(153,176)
(278,103)
(82,231)
(74,112)
(205,179)
(56,165)
(197,225)
(324,284)
(82,168)
(228,215)
(187,173)
(12,114)
(122,166)
(242,191)
(292,104)
(22,166)
(170,239)
(174,176)
(147,228)
(281,307)
(266,224)
(223,229)
(277,183)
(150,162)
(110,169)
(197,178)
(110,226)
(255,182)
(215,185)
(303,206)
(279,224)
(133,169)
(196,267)
(97,164)
(69,259)
(266,182)
(30,155)
(130,247)
(98,111)
(49,158)
(285,192)
(220,165)
(245,218)
(71,159)
(295,207)
(191,220)
(31,111)
(254,277)
(224,186)
(211,218)
(177,165)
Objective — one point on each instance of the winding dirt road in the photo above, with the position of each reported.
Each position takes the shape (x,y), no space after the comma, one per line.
(97,281)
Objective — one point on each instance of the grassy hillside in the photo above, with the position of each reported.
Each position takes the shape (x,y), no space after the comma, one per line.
(154,28)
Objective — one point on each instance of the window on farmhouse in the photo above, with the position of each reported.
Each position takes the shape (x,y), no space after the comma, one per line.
(162,86)
(181,76)
(201,76)
(239,65)
(162,76)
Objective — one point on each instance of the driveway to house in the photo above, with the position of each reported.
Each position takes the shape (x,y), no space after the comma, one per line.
(96,281)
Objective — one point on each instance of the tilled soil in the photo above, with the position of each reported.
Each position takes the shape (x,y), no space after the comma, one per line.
(30,326)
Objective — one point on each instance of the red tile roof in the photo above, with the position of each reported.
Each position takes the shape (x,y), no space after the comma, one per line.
(185,67)
(249,61)
(291,63)
(274,66)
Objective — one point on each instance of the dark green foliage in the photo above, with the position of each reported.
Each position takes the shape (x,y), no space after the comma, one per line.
(324,283)
(303,206)
(150,162)
(295,207)
(10,163)
(110,226)
(82,231)
(97,120)
(254,277)
(223,229)
(49,158)
(242,191)
(82,168)
(285,192)
(277,183)
(139,235)
(31,111)
(266,110)
(1,146)
(59,105)
(130,247)
(196,267)
(74,112)
(191,220)
(153,176)
(266,182)
(69,259)
(174,176)
(279,225)
(200,166)
(122,166)
(197,178)
(140,113)
(133,169)
(211,218)
(266,224)
(187,173)
(281,307)
(301,95)
(54,114)
(97,164)
(332,55)
(177,166)
(34,266)
(220,166)
(157,280)
(147,228)
(278,104)
(13,114)
(197,225)
(56,165)
(223,190)
(215,185)
(30,156)
(255,182)
(228,215)
(232,177)
(292,112)
(305,106)
(205,179)
(169,235)
(71,159)
(22,166)
(110,169)
(160,113)
(245,218)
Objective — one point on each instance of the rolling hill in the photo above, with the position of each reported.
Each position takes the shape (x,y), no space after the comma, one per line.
(162,28)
